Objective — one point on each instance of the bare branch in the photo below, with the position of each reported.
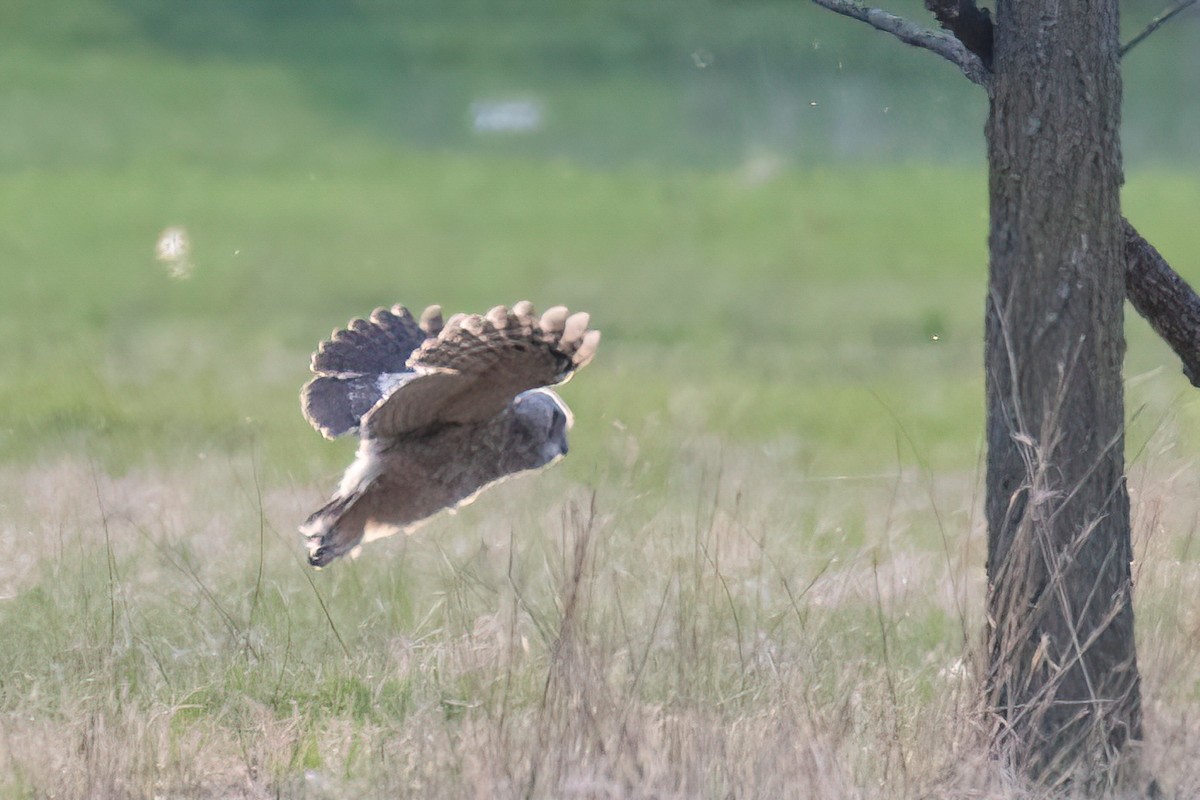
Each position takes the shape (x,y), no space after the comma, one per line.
(944,44)
(1164,298)
(1155,24)
(964,19)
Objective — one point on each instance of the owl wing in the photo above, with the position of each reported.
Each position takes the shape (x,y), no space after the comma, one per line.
(477,364)
(362,363)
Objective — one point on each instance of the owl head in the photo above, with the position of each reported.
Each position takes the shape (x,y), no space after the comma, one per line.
(541,421)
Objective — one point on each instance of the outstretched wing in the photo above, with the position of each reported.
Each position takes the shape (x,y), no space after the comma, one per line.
(377,345)
(477,364)
(362,363)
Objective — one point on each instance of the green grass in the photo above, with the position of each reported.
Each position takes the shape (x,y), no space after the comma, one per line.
(163,634)
(760,569)
(656,260)
(794,309)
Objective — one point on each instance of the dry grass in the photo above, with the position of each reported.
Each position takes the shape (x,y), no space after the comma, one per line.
(744,630)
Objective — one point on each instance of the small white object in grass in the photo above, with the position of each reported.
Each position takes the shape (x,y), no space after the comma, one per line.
(172,249)
(510,115)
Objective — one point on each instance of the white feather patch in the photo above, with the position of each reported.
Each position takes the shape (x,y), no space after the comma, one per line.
(378,530)
(389,382)
(364,470)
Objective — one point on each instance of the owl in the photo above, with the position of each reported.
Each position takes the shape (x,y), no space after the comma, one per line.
(442,411)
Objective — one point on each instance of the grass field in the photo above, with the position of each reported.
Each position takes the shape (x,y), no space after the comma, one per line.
(759,572)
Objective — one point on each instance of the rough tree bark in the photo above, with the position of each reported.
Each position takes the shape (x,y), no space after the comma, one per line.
(1165,300)
(1062,678)
(1062,685)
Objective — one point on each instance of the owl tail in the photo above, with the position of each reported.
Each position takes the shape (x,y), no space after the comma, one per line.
(330,534)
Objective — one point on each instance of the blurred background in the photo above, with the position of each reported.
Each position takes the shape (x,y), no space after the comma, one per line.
(759,571)
(777,216)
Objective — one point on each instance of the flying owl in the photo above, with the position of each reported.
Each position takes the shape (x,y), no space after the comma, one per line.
(442,412)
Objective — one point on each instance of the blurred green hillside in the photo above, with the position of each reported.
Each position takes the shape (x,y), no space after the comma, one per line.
(669,81)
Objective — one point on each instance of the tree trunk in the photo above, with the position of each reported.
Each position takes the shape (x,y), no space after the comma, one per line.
(1063,681)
